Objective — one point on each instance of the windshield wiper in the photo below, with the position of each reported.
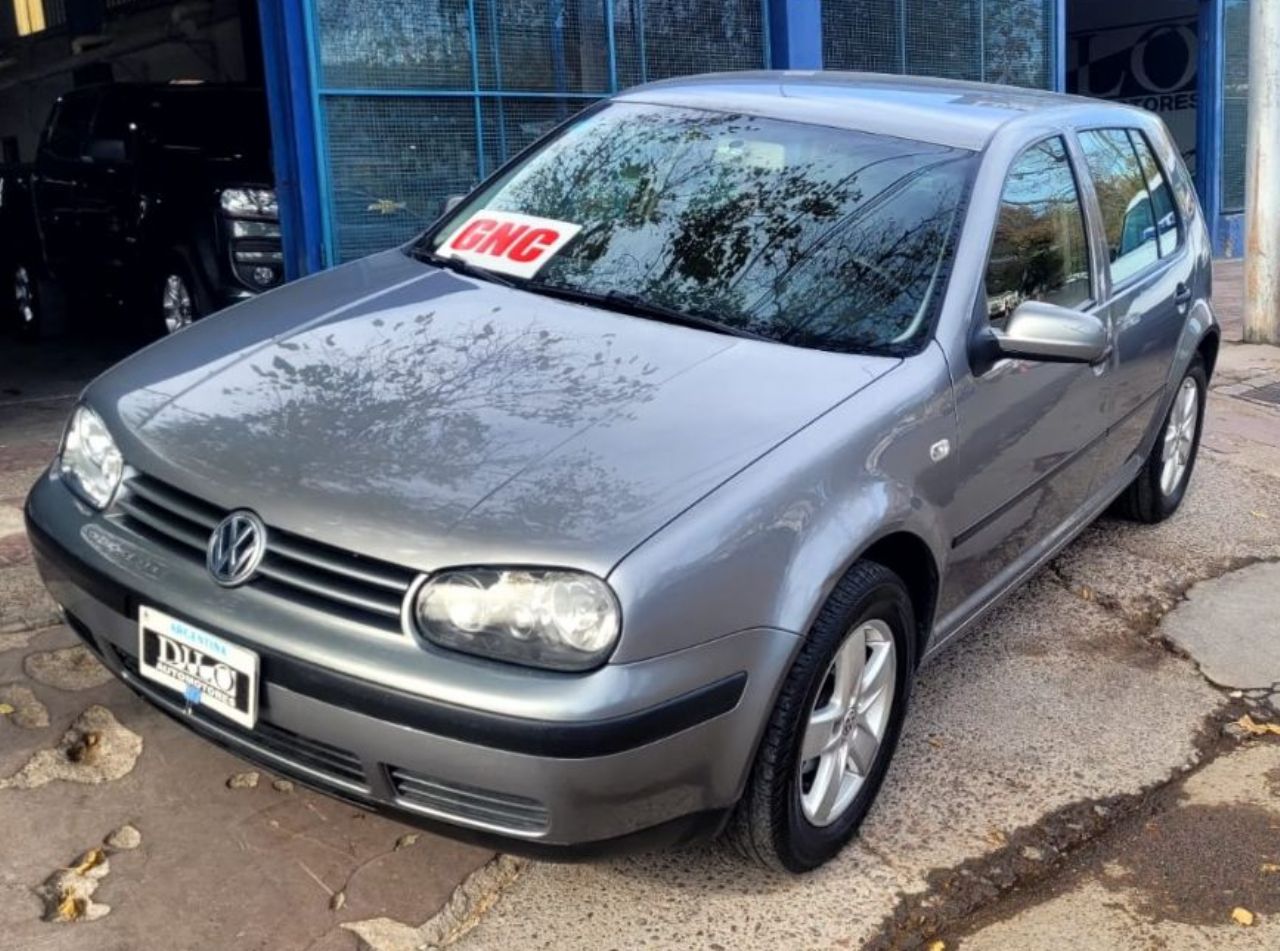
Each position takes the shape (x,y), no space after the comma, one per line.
(462,266)
(625,303)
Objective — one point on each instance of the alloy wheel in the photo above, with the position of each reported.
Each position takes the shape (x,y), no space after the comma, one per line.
(24,296)
(1179,436)
(176,304)
(847,722)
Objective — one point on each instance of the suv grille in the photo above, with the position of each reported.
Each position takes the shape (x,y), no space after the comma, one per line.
(482,806)
(294,568)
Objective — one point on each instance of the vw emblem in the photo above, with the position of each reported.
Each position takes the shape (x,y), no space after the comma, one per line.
(236,548)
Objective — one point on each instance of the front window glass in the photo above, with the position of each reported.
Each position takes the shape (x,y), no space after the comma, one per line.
(1127,212)
(1039,251)
(808,235)
(69,130)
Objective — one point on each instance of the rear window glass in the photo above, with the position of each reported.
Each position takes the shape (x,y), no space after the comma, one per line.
(1128,213)
(1166,213)
(218,123)
(809,235)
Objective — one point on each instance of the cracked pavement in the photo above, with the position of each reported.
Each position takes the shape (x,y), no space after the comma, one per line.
(1067,774)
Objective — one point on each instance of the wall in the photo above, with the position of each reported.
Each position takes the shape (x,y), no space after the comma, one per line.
(159,43)
(995,41)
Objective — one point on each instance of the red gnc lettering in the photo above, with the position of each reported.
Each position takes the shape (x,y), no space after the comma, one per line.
(471,235)
(501,238)
(530,247)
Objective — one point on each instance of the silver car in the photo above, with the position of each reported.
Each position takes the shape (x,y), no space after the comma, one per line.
(622,505)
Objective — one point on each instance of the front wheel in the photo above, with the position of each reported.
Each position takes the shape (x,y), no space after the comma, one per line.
(1161,483)
(177,301)
(829,740)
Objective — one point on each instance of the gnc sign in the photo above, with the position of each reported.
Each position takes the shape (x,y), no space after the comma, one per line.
(507,242)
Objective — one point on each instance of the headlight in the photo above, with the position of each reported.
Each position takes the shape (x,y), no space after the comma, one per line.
(89,460)
(250,201)
(564,620)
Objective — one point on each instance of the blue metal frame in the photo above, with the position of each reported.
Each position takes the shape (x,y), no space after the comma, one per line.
(794,33)
(1210,74)
(293,135)
(1060,45)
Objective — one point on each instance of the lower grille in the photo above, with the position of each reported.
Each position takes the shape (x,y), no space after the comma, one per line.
(484,807)
(294,748)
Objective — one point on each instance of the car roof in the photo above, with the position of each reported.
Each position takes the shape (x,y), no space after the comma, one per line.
(940,111)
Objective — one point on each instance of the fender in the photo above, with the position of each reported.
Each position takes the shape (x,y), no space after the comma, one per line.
(867,474)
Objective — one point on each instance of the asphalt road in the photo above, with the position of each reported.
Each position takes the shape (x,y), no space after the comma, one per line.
(1064,777)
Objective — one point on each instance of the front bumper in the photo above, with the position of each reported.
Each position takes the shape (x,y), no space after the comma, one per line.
(627,755)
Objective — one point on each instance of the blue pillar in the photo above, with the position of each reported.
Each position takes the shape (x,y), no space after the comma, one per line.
(795,34)
(1209,82)
(291,104)
(1060,46)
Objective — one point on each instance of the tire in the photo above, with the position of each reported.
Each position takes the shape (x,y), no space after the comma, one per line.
(772,823)
(1150,498)
(39,307)
(177,298)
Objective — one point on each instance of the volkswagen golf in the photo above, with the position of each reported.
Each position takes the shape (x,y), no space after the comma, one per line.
(622,505)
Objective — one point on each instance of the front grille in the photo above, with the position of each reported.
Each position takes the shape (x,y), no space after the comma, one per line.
(296,569)
(480,806)
(293,748)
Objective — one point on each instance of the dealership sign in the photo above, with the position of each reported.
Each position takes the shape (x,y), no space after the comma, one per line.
(1151,65)
(519,245)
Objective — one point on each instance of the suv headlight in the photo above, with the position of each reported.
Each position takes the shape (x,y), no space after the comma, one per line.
(89,459)
(256,202)
(564,620)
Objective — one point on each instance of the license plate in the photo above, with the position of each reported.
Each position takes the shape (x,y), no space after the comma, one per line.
(208,671)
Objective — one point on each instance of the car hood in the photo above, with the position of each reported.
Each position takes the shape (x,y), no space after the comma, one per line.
(418,416)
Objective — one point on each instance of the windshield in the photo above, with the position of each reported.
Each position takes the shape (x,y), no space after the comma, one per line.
(221,123)
(804,234)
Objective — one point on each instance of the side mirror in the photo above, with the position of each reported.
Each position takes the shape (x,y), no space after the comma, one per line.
(1046,332)
(107,151)
(452,202)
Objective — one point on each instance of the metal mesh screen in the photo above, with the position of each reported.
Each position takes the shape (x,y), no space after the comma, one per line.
(944,38)
(1001,41)
(1017,38)
(697,36)
(510,125)
(542,45)
(1235,103)
(394,43)
(475,81)
(392,162)
(865,35)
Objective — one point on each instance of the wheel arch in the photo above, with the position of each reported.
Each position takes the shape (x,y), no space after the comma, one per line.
(909,557)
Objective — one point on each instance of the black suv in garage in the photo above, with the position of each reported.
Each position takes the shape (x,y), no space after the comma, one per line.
(158,197)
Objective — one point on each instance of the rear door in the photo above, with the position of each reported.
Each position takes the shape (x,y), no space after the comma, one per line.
(1151,272)
(1029,431)
(59,181)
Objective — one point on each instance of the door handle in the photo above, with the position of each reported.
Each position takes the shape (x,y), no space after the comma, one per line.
(1182,295)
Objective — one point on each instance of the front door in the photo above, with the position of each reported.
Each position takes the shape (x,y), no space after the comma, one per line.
(1029,432)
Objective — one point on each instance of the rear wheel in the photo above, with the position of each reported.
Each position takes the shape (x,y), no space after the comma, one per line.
(1161,483)
(829,740)
(37,303)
